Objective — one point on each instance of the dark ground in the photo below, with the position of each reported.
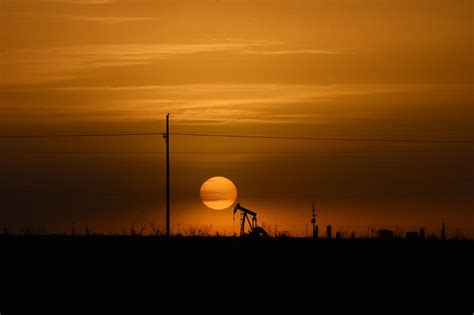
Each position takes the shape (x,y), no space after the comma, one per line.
(126,270)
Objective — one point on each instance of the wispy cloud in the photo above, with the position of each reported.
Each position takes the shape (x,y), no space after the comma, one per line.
(295,52)
(59,63)
(208,104)
(105,19)
(255,103)
(81,1)
(52,64)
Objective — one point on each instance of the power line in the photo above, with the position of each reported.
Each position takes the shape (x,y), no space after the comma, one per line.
(235,136)
(321,138)
(83,135)
(238,152)
(70,114)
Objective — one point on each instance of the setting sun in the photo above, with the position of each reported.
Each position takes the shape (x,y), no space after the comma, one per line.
(218,193)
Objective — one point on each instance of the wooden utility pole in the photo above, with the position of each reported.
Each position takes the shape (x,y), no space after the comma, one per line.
(167,139)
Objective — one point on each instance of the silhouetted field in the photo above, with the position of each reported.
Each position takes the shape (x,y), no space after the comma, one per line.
(82,267)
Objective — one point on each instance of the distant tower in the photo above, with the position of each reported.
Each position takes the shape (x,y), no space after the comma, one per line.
(443,231)
(313,222)
(328,232)
(422,233)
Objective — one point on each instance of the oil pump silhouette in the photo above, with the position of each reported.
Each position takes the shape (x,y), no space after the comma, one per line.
(255,230)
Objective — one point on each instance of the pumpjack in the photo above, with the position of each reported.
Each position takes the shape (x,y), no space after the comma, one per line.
(255,230)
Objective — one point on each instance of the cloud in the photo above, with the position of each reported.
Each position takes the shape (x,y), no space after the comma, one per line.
(82,1)
(258,103)
(201,104)
(294,52)
(67,62)
(106,19)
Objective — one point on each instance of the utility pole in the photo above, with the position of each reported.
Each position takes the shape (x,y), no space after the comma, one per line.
(166,135)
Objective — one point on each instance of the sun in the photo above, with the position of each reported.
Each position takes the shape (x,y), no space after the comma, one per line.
(218,193)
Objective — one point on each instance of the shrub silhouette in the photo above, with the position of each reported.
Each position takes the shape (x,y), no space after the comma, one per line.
(200,231)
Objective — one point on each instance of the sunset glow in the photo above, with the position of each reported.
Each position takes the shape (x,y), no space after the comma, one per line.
(370,69)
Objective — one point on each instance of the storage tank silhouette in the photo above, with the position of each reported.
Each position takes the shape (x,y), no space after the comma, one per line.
(411,235)
(422,233)
(328,232)
(385,234)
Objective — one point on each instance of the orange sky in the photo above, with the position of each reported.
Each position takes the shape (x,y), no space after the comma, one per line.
(341,68)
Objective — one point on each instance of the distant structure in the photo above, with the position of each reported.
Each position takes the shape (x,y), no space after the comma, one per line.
(328,232)
(73,229)
(338,235)
(353,235)
(385,234)
(411,235)
(422,233)
(443,231)
(313,222)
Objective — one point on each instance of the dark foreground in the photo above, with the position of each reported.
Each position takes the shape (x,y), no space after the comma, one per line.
(152,270)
